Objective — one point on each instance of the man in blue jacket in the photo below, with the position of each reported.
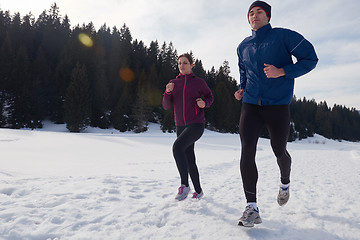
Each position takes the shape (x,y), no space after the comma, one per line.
(267,74)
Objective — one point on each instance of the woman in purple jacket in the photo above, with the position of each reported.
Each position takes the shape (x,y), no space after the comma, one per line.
(189,95)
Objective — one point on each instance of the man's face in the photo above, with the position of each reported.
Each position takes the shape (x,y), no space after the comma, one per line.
(257,18)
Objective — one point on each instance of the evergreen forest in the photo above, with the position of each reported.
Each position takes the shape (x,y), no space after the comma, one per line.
(104,78)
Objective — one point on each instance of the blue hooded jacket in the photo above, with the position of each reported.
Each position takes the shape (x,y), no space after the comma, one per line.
(274,46)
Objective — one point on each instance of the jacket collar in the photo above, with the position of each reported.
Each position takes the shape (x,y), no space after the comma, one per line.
(261,31)
(188,75)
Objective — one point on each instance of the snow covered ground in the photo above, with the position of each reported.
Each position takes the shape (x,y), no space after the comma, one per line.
(103,184)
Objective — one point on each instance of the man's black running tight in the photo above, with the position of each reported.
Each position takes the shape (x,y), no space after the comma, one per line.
(252,120)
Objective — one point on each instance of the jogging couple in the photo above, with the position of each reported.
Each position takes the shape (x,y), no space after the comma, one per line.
(267,74)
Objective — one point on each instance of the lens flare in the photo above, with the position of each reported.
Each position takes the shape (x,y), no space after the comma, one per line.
(86,40)
(126,74)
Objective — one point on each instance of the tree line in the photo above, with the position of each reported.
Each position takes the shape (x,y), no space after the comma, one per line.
(104,78)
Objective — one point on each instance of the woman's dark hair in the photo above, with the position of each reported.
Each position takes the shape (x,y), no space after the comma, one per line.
(188,56)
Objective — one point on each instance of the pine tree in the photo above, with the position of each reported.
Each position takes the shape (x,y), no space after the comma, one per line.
(40,87)
(222,105)
(121,116)
(168,123)
(5,22)
(198,69)
(2,109)
(59,84)
(6,64)
(153,59)
(78,101)
(21,96)
(154,94)
(226,108)
(142,109)
(322,118)
(168,69)
(292,133)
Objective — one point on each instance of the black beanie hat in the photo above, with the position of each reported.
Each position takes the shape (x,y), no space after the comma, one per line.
(266,7)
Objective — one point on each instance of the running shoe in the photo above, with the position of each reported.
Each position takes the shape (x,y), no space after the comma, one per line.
(283,196)
(182,193)
(250,217)
(197,196)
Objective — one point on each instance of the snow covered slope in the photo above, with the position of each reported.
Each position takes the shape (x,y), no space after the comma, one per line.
(103,184)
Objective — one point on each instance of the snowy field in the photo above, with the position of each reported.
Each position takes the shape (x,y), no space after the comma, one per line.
(103,184)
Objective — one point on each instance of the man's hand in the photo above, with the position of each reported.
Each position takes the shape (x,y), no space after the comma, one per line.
(239,94)
(272,71)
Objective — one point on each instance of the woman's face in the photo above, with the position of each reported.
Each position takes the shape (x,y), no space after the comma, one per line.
(185,67)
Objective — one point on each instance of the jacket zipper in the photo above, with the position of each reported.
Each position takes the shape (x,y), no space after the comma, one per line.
(184,101)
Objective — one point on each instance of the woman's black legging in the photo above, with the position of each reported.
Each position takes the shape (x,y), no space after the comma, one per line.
(252,120)
(183,151)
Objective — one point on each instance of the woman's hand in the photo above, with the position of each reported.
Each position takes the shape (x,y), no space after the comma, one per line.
(169,87)
(201,103)
(239,94)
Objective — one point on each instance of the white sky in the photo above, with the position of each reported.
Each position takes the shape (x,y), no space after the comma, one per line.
(212,30)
